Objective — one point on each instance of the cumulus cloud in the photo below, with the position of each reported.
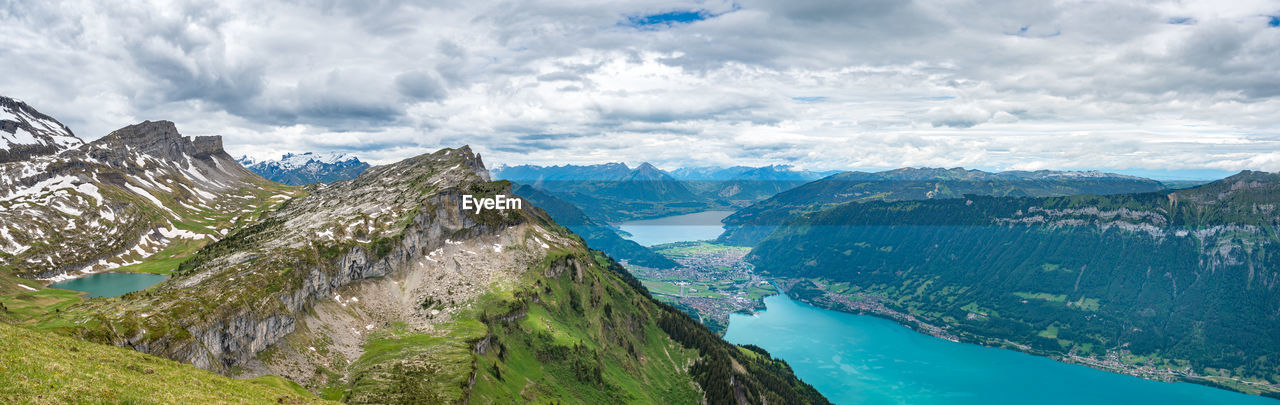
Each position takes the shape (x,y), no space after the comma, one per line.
(996,84)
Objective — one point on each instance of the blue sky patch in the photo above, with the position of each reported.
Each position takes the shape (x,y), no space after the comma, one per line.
(672,18)
(1275,21)
(668,18)
(1182,21)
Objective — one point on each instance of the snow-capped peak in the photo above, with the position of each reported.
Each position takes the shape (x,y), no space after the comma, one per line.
(306,168)
(292,161)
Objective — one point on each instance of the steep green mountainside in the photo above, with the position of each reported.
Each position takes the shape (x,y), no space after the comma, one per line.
(139,194)
(612,192)
(1168,285)
(597,236)
(752,224)
(43,367)
(383,289)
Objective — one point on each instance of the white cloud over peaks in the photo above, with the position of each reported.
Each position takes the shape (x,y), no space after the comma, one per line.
(866,83)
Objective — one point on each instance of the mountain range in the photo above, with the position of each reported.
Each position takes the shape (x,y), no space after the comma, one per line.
(378,289)
(611,192)
(307,168)
(743,185)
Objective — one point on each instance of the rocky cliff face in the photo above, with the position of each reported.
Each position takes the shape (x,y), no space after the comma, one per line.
(26,133)
(161,140)
(121,199)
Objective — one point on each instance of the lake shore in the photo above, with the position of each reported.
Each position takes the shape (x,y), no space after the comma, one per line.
(867,359)
(873,306)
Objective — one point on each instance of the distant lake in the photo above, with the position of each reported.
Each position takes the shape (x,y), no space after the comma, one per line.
(859,359)
(676,228)
(110,284)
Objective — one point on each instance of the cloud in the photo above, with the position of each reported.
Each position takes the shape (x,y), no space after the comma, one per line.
(819,84)
(420,86)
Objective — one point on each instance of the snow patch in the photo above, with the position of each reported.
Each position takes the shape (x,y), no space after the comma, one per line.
(142,192)
(48,186)
(172,233)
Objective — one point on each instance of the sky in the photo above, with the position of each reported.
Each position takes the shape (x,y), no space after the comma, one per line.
(1173,87)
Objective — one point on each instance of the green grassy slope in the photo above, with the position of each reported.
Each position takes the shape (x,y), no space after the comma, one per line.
(41,367)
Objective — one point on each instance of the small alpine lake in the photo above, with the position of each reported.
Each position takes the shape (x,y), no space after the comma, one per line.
(860,359)
(676,228)
(110,284)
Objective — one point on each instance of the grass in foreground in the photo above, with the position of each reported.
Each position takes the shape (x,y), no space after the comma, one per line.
(42,367)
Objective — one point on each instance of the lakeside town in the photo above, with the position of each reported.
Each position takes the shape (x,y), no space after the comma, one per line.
(711,282)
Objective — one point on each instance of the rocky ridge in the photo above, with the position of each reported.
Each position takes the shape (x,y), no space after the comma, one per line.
(25,132)
(145,187)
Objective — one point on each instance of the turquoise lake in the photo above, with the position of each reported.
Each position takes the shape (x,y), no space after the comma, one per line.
(677,228)
(110,284)
(859,359)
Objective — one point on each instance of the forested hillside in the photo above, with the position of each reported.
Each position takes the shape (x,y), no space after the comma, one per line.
(1186,282)
(752,224)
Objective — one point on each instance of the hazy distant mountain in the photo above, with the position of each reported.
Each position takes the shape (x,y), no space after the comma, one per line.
(773,172)
(307,168)
(743,185)
(534,175)
(753,223)
(616,180)
(611,192)
(25,132)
